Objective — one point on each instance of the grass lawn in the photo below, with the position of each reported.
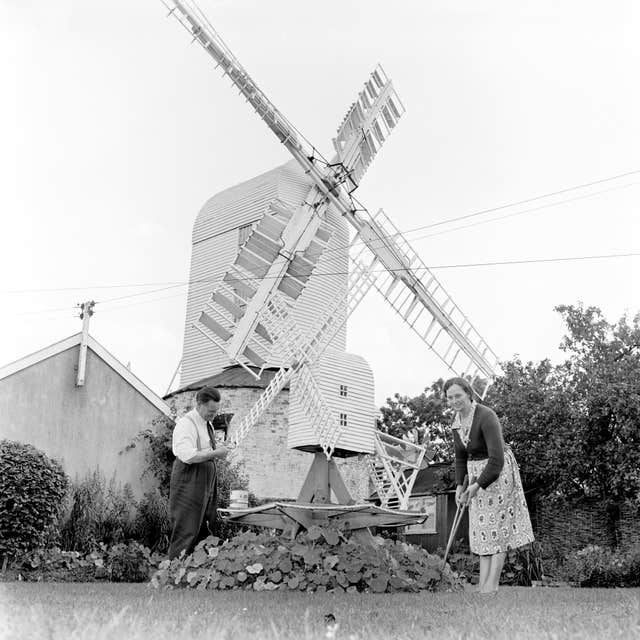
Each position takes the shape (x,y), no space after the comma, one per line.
(56,611)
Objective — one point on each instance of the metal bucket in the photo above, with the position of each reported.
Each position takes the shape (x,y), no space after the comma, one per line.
(238,499)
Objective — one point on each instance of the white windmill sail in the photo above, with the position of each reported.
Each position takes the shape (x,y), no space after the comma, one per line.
(368,123)
(259,271)
(392,249)
(416,295)
(405,282)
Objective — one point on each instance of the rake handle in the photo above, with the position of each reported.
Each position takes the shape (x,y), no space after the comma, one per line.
(457,519)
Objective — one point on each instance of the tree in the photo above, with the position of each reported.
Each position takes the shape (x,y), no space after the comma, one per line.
(424,420)
(604,369)
(574,427)
(535,409)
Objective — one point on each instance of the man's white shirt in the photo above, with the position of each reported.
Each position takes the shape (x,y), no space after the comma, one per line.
(184,442)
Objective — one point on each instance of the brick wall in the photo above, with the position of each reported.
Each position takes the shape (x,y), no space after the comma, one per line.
(274,471)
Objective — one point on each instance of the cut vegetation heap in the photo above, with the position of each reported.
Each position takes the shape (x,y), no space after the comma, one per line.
(320,559)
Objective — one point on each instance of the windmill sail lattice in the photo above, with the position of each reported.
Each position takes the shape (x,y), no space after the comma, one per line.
(421,301)
(249,313)
(368,123)
(394,469)
(234,295)
(302,349)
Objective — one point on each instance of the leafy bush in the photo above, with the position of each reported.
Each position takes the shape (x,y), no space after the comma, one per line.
(465,565)
(596,566)
(32,490)
(100,514)
(120,563)
(128,563)
(523,566)
(320,559)
(54,565)
(152,525)
(158,454)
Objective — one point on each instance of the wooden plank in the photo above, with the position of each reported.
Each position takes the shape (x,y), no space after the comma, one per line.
(303,518)
(318,473)
(270,227)
(279,207)
(269,520)
(227,304)
(239,285)
(323,234)
(254,357)
(313,252)
(386,114)
(251,263)
(336,483)
(351,520)
(377,131)
(291,287)
(262,246)
(263,333)
(214,326)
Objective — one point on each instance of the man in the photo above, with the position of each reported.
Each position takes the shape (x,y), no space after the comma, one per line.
(192,492)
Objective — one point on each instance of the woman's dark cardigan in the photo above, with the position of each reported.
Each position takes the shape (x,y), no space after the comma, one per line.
(485,441)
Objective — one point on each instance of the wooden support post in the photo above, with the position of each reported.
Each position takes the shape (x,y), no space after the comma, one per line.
(337,484)
(324,477)
(316,483)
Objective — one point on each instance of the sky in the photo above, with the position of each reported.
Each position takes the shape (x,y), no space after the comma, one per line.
(115,130)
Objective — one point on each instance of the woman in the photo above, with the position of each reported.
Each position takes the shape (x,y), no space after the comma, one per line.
(498,515)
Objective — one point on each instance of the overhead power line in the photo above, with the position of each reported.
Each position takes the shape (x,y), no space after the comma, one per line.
(467,265)
(406,232)
(528,200)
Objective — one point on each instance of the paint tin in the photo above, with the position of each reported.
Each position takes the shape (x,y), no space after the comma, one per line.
(238,499)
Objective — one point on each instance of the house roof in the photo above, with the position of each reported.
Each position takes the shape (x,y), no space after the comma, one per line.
(433,479)
(101,352)
(231,378)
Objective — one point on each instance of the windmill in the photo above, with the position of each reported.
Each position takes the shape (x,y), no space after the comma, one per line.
(250,314)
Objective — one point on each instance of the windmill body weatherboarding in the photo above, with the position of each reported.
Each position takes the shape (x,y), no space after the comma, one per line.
(262,308)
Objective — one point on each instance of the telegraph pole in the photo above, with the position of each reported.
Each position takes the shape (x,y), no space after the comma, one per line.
(86,311)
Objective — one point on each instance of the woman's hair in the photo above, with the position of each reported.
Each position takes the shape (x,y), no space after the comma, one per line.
(207,393)
(462,383)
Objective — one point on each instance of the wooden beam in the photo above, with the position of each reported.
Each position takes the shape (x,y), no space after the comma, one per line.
(336,483)
(214,326)
(316,485)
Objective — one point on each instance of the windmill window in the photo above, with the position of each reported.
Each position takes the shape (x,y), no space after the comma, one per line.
(343,419)
(343,390)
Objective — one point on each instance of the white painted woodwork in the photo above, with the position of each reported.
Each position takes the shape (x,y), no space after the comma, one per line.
(216,240)
(334,369)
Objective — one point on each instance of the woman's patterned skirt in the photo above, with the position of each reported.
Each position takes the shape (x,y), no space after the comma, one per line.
(498,515)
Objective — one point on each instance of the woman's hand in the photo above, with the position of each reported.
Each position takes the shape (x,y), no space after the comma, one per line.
(459,493)
(470,493)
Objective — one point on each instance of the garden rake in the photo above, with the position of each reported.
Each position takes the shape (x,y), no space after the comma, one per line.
(456,520)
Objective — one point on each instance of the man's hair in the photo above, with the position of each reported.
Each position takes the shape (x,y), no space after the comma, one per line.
(462,383)
(207,393)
